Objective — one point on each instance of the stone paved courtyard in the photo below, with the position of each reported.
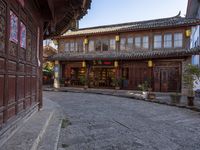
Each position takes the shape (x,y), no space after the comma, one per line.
(99,122)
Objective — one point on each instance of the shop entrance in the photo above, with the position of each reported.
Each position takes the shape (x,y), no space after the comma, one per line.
(101,77)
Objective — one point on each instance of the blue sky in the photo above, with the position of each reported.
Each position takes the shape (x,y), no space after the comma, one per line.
(104,12)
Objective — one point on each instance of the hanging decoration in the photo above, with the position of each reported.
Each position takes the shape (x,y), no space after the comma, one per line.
(22,35)
(13,27)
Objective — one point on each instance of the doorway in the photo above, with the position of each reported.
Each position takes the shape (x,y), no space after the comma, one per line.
(167,79)
(101,77)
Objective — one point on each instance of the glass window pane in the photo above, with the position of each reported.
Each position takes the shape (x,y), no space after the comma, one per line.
(98,45)
(130,43)
(72,46)
(80,46)
(91,46)
(105,45)
(112,44)
(157,41)
(178,40)
(145,43)
(167,40)
(67,47)
(123,44)
(138,42)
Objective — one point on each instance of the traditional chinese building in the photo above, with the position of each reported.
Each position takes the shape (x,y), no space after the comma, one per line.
(133,53)
(23,26)
(193,11)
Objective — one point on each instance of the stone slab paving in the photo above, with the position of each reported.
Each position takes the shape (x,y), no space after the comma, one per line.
(100,122)
(161,98)
(40,132)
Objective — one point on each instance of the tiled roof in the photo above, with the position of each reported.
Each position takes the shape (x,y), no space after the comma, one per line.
(125,55)
(134,26)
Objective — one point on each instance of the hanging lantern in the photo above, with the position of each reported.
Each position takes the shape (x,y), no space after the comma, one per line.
(150,63)
(85,41)
(56,62)
(117,38)
(116,64)
(188,33)
(83,64)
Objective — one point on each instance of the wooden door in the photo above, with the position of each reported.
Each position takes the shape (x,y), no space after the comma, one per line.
(167,79)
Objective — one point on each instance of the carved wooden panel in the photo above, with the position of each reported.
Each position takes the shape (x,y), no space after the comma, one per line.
(21,68)
(11,89)
(21,87)
(34,49)
(28,86)
(12,66)
(2,64)
(22,53)
(34,72)
(1,119)
(138,73)
(2,90)
(2,26)
(28,70)
(34,81)
(29,46)
(13,49)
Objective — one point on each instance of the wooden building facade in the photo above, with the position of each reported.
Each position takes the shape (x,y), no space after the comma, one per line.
(23,26)
(154,51)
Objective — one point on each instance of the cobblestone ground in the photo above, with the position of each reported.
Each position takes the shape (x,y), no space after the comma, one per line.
(99,122)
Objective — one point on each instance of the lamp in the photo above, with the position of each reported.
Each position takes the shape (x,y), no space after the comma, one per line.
(188,33)
(56,62)
(117,38)
(85,41)
(116,64)
(150,63)
(83,64)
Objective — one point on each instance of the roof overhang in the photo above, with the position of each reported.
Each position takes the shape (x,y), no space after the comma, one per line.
(61,15)
(125,55)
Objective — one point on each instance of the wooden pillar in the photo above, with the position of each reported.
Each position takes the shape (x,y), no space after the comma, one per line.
(57,74)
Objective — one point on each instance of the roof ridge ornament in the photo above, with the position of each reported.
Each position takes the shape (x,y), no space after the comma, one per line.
(179,14)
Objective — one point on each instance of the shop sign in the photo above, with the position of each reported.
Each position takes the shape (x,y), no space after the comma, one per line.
(103,63)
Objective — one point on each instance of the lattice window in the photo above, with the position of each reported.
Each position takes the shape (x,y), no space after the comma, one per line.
(34,49)
(29,41)
(2,25)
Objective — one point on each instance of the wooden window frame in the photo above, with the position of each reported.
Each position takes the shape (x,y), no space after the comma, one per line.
(167,33)
(161,42)
(181,41)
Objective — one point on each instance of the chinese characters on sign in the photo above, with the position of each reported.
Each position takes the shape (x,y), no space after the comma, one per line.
(22,35)
(13,27)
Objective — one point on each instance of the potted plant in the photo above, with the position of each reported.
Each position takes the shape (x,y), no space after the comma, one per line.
(84,82)
(175,98)
(144,88)
(150,94)
(116,82)
(191,73)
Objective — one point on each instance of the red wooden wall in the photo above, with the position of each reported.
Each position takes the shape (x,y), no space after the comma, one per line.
(19,69)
